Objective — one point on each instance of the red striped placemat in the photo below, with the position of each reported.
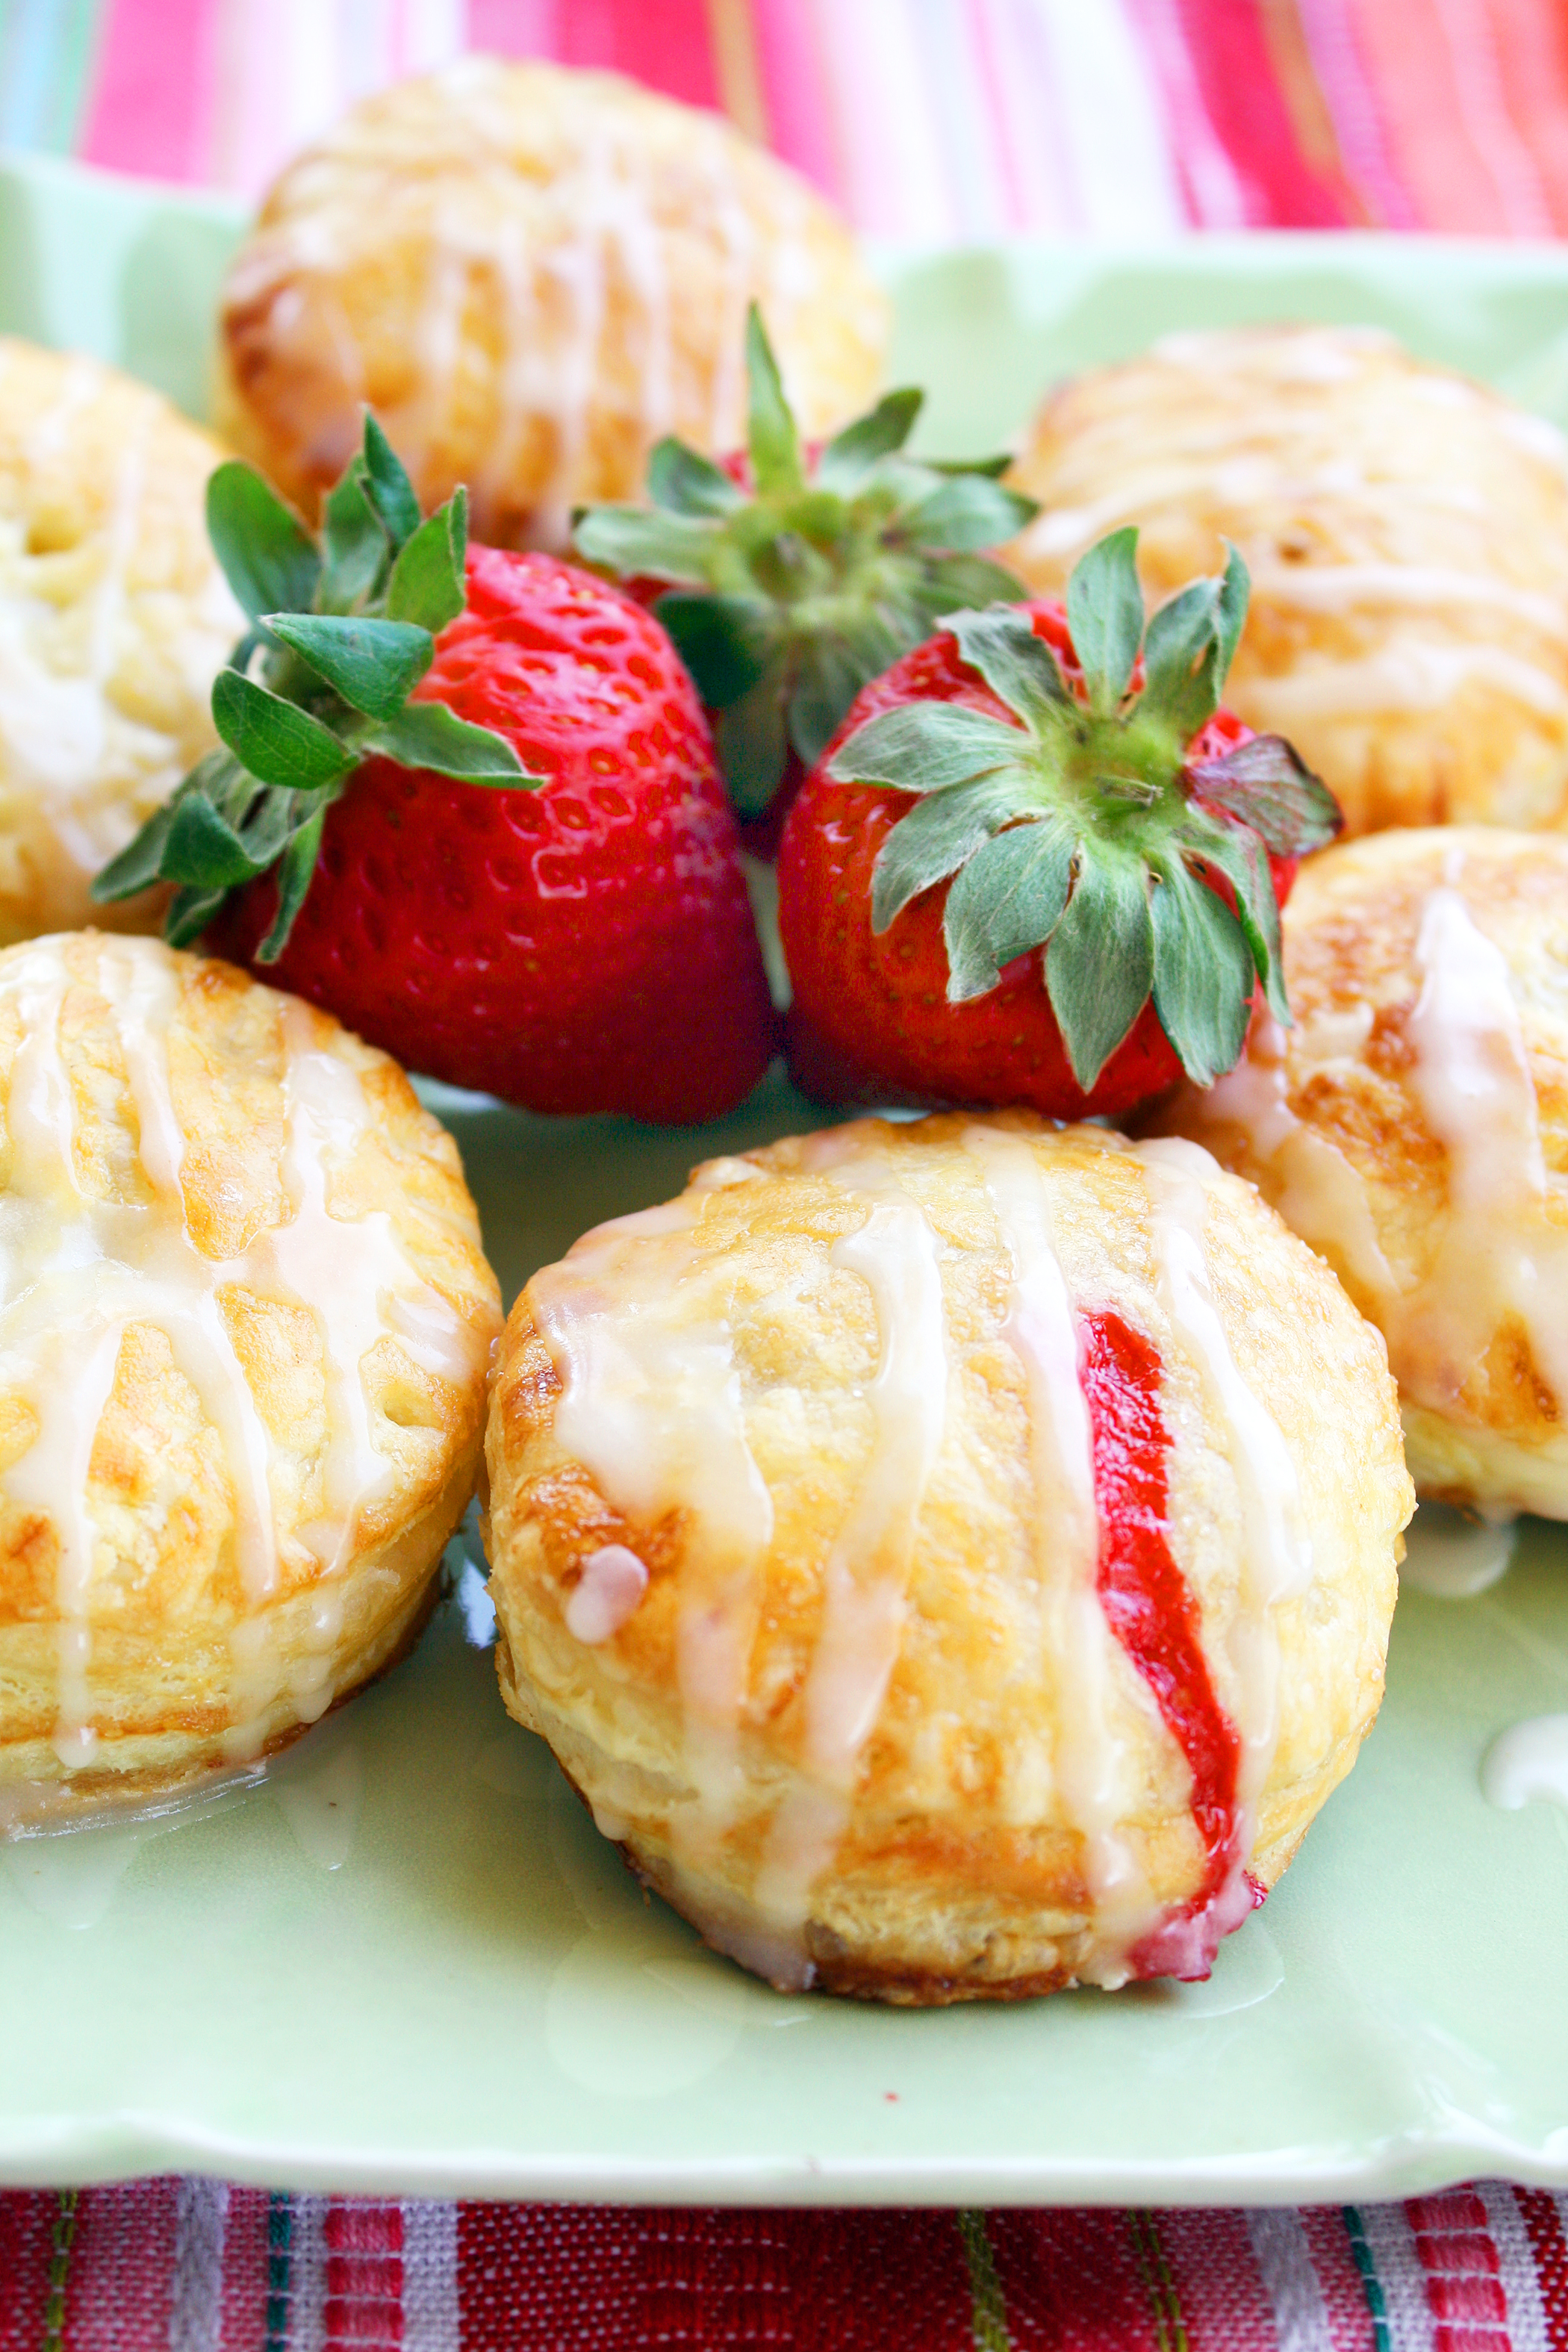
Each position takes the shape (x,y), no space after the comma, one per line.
(939,120)
(194,2266)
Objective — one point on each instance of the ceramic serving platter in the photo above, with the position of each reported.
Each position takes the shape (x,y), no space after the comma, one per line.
(405,1963)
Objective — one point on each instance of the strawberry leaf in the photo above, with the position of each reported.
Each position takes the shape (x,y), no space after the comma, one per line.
(427,735)
(720,642)
(687,484)
(374,665)
(356,542)
(948,583)
(268,558)
(1235,592)
(427,585)
(1105,617)
(295,868)
(826,682)
(964,513)
(140,863)
(830,569)
(993,468)
(771,434)
(1007,899)
(1101,961)
(644,542)
(1203,974)
(1188,648)
(1267,784)
(190,912)
(387,486)
(924,747)
(274,739)
(940,833)
(1018,665)
(1236,852)
(202,848)
(850,456)
(388,583)
(752,738)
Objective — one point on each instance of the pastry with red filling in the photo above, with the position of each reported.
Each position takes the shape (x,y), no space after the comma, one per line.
(953,1560)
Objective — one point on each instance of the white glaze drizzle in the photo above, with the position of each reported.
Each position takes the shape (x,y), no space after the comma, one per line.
(650,1404)
(1453,1557)
(70,760)
(1349,587)
(1316,1191)
(1405,673)
(1527,1761)
(603,210)
(606,1596)
(1276,1559)
(1498,1252)
(79,1271)
(1091,1770)
(895,1252)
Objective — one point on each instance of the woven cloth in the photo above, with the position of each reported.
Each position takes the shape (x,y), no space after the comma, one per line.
(939,120)
(192,2266)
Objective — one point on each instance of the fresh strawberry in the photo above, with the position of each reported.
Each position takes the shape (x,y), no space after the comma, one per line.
(790,577)
(1083,899)
(469,803)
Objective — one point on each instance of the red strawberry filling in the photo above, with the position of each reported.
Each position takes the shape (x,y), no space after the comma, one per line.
(1151,1610)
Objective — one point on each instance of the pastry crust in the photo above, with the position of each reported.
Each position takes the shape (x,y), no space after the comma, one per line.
(849,1726)
(1406,531)
(243,1352)
(1413,1126)
(531,274)
(114,620)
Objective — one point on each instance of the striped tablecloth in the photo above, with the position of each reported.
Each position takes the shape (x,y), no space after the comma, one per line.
(940,120)
(192,2266)
(945,120)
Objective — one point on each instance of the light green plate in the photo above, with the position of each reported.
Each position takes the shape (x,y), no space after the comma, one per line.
(409,1964)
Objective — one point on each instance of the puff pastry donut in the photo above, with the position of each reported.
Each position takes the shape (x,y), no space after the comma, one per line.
(114,620)
(531,274)
(243,1345)
(1407,536)
(1413,1126)
(953,1559)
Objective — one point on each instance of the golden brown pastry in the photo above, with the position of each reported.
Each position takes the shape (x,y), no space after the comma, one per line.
(1408,535)
(1413,1126)
(244,1330)
(953,1559)
(531,274)
(114,620)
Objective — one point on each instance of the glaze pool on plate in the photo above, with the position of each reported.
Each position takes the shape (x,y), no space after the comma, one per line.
(423,1971)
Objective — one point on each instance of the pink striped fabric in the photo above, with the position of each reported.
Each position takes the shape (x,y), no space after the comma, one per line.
(940,120)
(196,2266)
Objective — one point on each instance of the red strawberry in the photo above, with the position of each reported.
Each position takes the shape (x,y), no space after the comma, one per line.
(791,576)
(522,876)
(1042,778)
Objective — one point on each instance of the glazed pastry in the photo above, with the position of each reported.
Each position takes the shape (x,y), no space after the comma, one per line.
(1407,536)
(114,620)
(953,1560)
(531,274)
(1413,1126)
(243,1347)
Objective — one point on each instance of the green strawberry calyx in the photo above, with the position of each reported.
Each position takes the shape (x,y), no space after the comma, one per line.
(785,601)
(343,628)
(1080,822)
